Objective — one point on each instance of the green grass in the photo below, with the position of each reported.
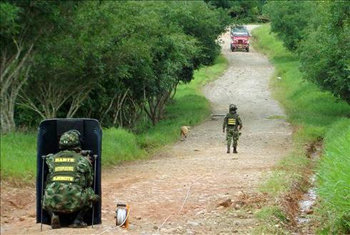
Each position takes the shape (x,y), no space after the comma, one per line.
(315,115)
(270,213)
(334,179)
(18,150)
(18,156)
(276,117)
(119,145)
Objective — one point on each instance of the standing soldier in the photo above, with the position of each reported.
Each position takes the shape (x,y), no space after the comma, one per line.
(233,124)
(69,182)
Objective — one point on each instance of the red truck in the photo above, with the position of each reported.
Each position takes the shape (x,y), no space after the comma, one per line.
(240,38)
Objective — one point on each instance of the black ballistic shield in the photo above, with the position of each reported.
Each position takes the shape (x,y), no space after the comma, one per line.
(49,134)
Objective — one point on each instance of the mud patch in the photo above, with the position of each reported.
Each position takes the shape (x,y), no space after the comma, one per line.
(306,204)
(314,150)
(255,200)
(298,202)
(290,201)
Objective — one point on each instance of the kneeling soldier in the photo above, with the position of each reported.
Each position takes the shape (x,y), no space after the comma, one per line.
(232,124)
(69,183)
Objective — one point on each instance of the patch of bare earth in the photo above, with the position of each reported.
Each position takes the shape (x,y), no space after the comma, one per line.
(194,186)
(299,201)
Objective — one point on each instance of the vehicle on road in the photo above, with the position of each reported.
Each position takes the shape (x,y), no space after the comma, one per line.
(240,38)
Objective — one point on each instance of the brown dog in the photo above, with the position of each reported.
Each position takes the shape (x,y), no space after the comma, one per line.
(184,131)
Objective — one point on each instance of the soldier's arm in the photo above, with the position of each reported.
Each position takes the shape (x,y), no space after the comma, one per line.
(49,161)
(240,123)
(49,168)
(224,124)
(84,167)
(89,173)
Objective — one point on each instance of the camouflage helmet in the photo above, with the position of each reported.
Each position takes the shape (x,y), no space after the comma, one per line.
(233,107)
(70,139)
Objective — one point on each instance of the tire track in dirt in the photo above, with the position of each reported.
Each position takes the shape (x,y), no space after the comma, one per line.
(179,189)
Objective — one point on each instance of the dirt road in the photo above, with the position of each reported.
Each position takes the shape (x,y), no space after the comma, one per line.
(179,190)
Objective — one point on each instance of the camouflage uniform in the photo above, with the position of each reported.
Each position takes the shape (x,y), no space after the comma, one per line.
(232,124)
(69,182)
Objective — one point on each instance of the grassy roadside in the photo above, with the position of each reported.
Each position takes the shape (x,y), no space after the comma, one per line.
(316,115)
(18,150)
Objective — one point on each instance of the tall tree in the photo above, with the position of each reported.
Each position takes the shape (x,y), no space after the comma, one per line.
(289,20)
(15,57)
(325,54)
(240,10)
(116,60)
(23,24)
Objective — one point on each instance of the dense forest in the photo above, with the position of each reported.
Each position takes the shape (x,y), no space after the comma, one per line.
(119,61)
(113,61)
(319,33)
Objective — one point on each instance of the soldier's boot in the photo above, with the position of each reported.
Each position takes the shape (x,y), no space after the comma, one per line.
(55,221)
(79,220)
(228,148)
(235,150)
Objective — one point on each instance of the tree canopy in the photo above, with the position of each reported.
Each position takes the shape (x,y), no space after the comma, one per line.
(319,33)
(240,10)
(110,60)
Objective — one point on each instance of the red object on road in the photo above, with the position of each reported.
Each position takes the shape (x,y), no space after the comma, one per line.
(240,40)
